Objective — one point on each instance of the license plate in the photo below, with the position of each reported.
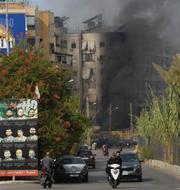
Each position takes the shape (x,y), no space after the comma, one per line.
(125,173)
(74,175)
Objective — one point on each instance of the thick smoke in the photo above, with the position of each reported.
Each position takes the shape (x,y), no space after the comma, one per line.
(162,15)
(152,35)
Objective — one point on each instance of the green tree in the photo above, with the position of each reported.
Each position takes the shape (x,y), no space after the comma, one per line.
(160,118)
(59,123)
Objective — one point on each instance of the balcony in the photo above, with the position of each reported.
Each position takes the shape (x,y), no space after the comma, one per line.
(31,33)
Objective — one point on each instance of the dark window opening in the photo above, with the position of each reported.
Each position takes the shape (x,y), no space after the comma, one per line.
(102,44)
(88,57)
(51,48)
(31,27)
(64,44)
(73,45)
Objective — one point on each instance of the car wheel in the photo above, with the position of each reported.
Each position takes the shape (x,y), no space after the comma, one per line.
(85,178)
(140,178)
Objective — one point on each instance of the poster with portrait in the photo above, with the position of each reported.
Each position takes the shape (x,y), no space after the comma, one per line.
(18,138)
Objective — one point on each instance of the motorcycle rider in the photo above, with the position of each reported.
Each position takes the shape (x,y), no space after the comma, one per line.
(114,159)
(105,150)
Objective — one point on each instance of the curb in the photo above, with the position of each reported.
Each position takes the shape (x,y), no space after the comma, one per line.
(17,181)
(174,169)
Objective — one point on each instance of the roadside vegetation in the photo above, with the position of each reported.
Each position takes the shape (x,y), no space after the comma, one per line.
(160,117)
(60,124)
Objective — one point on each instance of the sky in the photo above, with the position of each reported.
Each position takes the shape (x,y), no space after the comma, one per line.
(81,10)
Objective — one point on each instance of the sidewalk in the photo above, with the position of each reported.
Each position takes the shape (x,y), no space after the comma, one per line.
(166,167)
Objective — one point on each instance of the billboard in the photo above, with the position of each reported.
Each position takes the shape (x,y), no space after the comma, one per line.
(18,138)
(16,30)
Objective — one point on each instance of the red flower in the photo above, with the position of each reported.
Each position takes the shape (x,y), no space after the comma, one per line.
(4,72)
(29,87)
(67,124)
(30,56)
(56,97)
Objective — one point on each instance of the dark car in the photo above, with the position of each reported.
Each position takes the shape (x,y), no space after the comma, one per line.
(88,157)
(83,147)
(131,166)
(70,167)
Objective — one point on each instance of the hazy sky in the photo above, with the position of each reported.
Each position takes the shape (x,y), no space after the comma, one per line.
(80,10)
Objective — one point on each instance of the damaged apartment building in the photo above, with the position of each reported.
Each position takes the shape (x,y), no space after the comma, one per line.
(111,68)
(112,71)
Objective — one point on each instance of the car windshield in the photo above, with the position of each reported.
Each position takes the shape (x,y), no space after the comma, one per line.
(83,147)
(85,153)
(129,157)
(72,161)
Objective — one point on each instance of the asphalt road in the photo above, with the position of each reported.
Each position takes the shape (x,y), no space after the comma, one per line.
(153,179)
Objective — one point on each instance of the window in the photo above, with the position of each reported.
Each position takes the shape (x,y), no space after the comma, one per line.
(30,20)
(51,48)
(88,57)
(30,27)
(102,44)
(73,45)
(64,44)
(63,59)
(101,59)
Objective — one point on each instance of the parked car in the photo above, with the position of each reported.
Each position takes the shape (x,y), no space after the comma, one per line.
(84,147)
(88,157)
(131,166)
(70,167)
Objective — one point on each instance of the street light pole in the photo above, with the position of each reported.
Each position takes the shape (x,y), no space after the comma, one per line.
(110,117)
(7,29)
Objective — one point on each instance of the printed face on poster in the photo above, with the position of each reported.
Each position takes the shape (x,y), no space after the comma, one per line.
(18,137)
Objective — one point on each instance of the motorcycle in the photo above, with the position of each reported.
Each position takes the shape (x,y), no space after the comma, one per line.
(46,179)
(114,174)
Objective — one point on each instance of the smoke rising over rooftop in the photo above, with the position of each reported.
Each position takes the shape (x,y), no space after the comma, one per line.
(162,15)
(152,31)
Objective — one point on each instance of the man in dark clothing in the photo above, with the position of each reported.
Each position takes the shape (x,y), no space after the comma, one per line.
(47,164)
(114,159)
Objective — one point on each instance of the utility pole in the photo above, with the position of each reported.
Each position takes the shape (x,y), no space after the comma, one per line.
(7,29)
(110,117)
(81,90)
(131,118)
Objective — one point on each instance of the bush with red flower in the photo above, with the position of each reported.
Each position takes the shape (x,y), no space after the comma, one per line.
(59,123)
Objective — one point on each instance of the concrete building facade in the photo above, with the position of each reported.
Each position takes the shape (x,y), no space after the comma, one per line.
(41,31)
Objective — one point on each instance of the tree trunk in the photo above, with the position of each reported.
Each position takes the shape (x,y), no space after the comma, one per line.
(169,152)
